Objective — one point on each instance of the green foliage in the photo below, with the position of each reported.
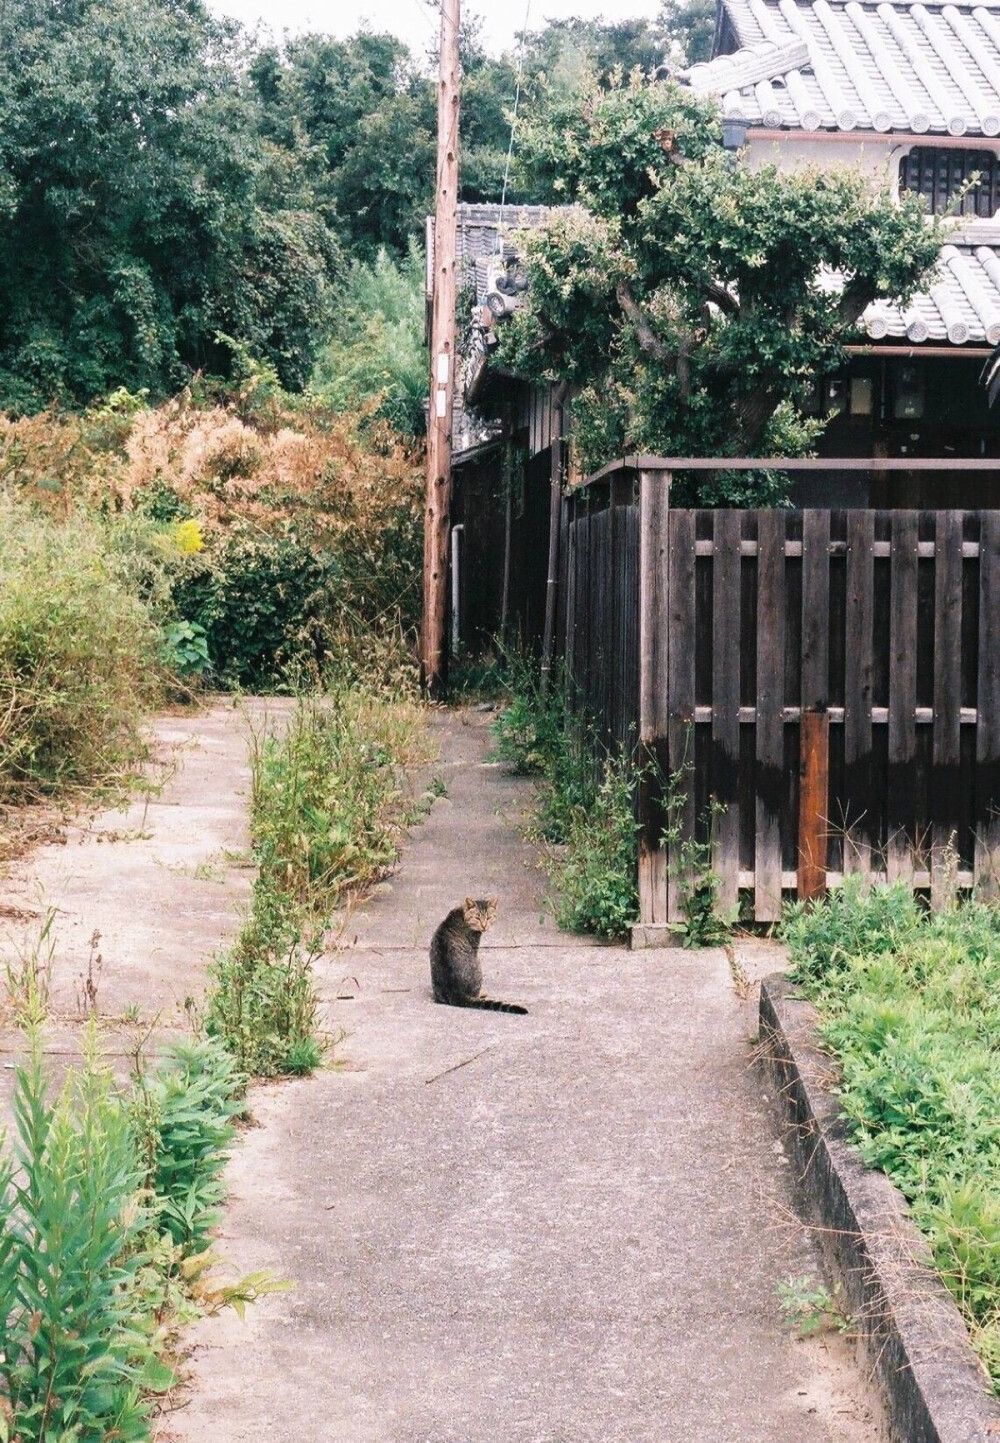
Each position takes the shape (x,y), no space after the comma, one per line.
(540,734)
(585,802)
(597,877)
(326,809)
(704,925)
(376,353)
(108,1198)
(909,1008)
(810,1308)
(263,1004)
(78,655)
(326,795)
(143,210)
(185,648)
(182,1118)
(70,1357)
(683,292)
(261,603)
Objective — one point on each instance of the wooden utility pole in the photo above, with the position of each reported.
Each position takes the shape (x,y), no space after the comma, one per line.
(442,368)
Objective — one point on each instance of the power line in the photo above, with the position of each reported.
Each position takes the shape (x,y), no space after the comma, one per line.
(513,123)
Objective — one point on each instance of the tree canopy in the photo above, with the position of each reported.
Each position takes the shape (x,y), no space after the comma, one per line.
(143,211)
(691,297)
(166,181)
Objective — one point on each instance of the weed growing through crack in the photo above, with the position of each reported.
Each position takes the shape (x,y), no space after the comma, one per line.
(810,1307)
(328,802)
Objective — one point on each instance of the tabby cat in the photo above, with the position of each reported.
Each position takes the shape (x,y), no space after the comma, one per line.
(456,975)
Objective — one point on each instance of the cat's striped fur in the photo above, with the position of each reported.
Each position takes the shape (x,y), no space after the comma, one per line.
(456,974)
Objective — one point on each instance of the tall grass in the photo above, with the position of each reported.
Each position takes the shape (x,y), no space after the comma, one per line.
(78,655)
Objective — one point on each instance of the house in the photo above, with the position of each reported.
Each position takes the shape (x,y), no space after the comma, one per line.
(908,92)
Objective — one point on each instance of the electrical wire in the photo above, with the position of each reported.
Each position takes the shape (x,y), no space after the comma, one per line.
(513,125)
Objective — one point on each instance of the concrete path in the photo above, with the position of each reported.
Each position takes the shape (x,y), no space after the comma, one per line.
(159,884)
(561,1228)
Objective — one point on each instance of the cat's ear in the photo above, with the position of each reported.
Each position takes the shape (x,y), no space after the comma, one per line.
(491,905)
(470,903)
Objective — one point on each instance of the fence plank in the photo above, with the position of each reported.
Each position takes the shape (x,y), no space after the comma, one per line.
(902,696)
(858,691)
(946,744)
(815,610)
(654,514)
(680,695)
(814,787)
(770,781)
(987,859)
(726,702)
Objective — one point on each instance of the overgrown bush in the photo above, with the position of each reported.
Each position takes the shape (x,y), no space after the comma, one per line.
(910,1008)
(287,533)
(78,655)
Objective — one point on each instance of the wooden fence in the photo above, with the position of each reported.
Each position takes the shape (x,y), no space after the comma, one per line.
(830,678)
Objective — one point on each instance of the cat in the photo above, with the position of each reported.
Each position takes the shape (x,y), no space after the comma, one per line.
(456,975)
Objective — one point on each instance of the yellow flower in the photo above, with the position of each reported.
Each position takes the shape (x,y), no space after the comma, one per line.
(188,538)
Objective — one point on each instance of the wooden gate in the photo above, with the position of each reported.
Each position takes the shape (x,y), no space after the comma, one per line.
(744,649)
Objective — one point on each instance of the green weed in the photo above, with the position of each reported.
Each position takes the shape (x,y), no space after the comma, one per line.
(909,1003)
(327,805)
(809,1307)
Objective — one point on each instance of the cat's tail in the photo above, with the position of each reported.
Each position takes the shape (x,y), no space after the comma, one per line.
(490,1004)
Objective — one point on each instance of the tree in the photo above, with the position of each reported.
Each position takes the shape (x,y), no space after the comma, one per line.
(691,27)
(692,298)
(142,211)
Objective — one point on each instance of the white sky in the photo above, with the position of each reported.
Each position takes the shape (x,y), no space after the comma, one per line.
(416,21)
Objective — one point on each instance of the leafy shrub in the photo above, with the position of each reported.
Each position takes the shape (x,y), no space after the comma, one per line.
(909,1007)
(182,1116)
(263,605)
(853,921)
(78,655)
(597,878)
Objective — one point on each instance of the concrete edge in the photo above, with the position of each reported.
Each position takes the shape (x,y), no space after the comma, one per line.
(643,935)
(907,1322)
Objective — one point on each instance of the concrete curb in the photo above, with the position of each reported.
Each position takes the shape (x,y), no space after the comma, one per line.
(908,1324)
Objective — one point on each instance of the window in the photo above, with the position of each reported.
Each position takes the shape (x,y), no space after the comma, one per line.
(939,174)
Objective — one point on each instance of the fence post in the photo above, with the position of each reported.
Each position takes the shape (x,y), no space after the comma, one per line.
(814,773)
(654,508)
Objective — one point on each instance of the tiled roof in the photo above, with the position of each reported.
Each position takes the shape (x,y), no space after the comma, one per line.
(480,228)
(882,67)
(961,305)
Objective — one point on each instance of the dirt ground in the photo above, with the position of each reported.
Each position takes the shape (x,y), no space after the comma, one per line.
(568,1227)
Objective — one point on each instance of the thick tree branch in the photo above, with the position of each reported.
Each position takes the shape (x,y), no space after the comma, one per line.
(724,299)
(646,336)
(856,297)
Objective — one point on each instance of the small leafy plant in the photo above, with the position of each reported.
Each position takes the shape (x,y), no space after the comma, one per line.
(809,1307)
